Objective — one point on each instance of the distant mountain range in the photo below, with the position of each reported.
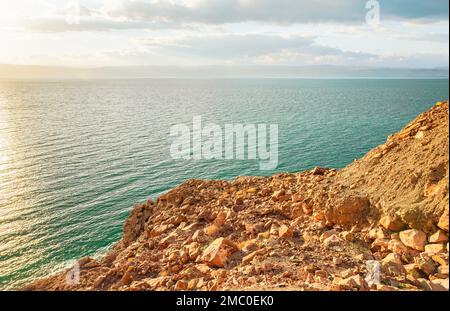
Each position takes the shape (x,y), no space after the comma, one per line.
(49,72)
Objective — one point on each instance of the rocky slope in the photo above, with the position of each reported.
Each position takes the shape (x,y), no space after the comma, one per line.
(317,230)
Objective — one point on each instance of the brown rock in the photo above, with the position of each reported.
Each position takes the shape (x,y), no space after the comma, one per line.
(426,264)
(354,282)
(327,234)
(432,249)
(414,239)
(376,233)
(443,221)
(397,247)
(285,232)
(435,285)
(348,210)
(297,198)
(247,259)
(181,285)
(438,237)
(333,240)
(392,258)
(441,259)
(217,253)
(391,223)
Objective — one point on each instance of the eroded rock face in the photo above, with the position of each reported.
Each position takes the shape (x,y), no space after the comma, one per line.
(314,230)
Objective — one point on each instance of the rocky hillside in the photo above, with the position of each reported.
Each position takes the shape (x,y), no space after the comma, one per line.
(317,230)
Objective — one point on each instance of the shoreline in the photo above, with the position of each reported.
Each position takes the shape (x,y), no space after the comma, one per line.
(203,235)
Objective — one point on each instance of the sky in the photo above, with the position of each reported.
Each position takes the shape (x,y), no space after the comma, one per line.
(97,33)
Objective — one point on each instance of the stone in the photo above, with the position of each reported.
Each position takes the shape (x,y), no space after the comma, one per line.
(443,221)
(348,236)
(414,239)
(348,210)
(392,258)
(221,218)
(333,240)
(413,270)
(285,232)
(181,285)
(438,237)
(278,195)
(380,245)
(425,264)
(441,259)
(391,223)
(212,230)
(252,190)
(327,234)
(376,233)
(247,259)
(194,250)
(435,285)
(297,198)
(432,249)
(319,171)
(355,281)
(443,269)
(217,253)
(192,284)
(397,247)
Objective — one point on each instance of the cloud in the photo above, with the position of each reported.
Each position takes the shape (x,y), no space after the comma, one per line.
(254,48)
(280,11)
(165,14)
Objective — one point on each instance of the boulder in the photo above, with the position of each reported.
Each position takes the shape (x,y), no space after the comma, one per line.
(392,224)
(348,210)
(218,252)
(414,239)
(432,249)
(443,221)
(438,237)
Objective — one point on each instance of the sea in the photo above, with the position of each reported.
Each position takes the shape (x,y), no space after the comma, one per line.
(77,155)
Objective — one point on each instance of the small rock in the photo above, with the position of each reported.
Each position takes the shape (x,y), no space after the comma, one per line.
(426,264)
(181,285)
(397,247)
(285,232)
(438,237)
(217,253)
(333,240)
(356,281)
(391,223)
(326,235)
(432,249)
(435,285)
(443,221)
(392,258)
(376,233)
(413,238)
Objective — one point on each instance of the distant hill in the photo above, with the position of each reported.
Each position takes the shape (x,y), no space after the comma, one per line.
(49,72)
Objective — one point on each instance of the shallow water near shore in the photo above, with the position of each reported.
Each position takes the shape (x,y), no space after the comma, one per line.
(75,156)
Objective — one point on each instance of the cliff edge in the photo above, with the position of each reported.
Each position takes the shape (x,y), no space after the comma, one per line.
(379,224)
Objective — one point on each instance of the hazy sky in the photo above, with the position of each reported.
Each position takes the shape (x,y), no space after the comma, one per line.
(411,33)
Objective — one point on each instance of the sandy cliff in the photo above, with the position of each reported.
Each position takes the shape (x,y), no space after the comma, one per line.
(314,230)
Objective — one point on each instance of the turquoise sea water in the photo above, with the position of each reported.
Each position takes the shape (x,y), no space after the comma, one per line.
(75,156)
